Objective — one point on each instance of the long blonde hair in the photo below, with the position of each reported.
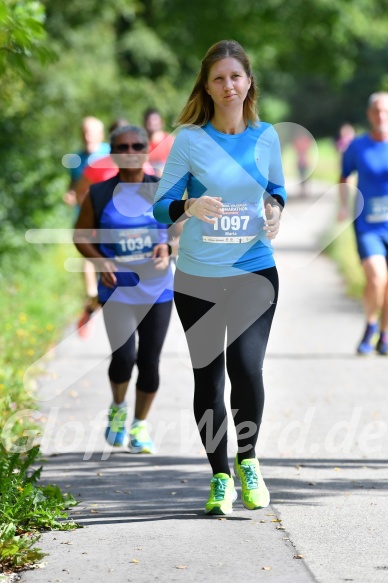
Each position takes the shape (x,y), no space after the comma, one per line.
(199,108)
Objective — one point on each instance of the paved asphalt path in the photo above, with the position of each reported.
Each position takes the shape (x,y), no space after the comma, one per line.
(323,449)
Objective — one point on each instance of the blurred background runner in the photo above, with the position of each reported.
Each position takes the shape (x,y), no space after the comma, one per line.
(160,142)
(94,148)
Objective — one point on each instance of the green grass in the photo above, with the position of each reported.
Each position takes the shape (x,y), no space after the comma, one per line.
(342,249)
(38,299)
(327,168)
(36,306)
(344,252)
(328,163)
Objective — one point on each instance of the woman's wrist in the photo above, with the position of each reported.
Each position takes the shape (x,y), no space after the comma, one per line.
(276,200)
(187,208)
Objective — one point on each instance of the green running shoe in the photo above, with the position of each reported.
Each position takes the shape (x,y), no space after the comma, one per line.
(140,440)
(254,491)
(115,433)
(222,495)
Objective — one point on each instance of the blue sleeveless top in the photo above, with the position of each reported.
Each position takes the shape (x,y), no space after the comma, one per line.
(128,232)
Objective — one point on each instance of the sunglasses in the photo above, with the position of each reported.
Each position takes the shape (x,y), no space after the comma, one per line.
(137,147)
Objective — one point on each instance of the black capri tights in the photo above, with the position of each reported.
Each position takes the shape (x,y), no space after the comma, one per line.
(242,307)
(122,321)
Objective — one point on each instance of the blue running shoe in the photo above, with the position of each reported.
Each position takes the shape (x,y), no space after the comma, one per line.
(368,342)
(115,433)
(139,439)
(382,344)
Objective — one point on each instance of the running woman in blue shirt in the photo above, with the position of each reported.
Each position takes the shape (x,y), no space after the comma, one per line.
(226,281)
(368,156)
(135,287)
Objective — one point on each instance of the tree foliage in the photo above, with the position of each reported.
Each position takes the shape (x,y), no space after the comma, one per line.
(316,62)
(21,34)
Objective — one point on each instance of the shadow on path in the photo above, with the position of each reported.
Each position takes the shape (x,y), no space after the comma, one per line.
(127,488)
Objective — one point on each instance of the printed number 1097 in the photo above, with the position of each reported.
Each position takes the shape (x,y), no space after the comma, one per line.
(234,223)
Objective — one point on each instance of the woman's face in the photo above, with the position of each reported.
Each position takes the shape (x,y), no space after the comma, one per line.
(130,151)
(228,83)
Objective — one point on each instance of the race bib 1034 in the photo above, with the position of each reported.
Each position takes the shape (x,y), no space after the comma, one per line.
(134,244)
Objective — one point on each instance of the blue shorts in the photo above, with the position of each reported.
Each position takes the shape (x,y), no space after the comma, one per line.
(372,243)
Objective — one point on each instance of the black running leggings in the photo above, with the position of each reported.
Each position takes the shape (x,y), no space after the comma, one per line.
(243,308)
(122,321)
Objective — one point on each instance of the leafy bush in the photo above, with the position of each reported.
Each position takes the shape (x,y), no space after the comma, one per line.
(15,550)
(29,323)
(26,508)
(25,504)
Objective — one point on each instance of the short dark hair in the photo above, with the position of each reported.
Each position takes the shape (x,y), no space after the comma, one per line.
(124,130)
(118,123)
(149,112)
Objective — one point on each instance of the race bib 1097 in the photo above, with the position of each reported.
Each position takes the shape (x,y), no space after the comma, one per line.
(240,223)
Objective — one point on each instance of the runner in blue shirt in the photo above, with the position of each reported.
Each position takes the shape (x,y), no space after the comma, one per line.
(368,156)
(226,281)
(135,287)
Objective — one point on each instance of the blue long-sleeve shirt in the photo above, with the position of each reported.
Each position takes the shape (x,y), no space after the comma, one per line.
(243,169)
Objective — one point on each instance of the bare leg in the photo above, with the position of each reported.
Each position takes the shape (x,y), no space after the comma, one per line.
(119,391)
(90,279)
(303,188)
(375,269)
(143,404)
(143,400)
(384,313)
